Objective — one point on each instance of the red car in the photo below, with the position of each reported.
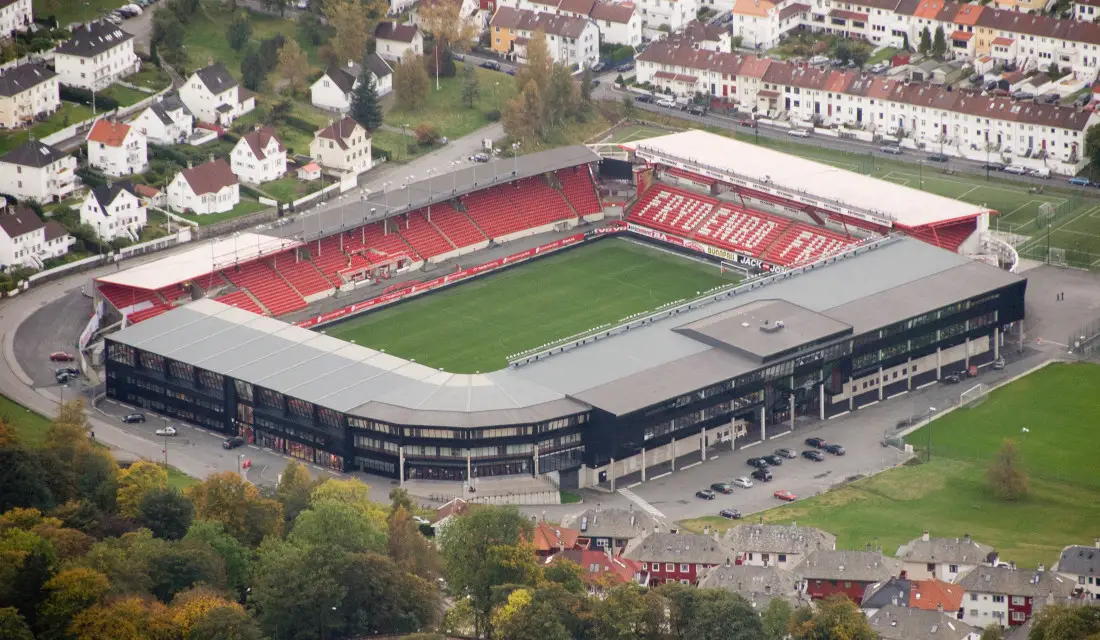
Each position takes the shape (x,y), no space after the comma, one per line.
(748,123)
(785,495)
(61,356)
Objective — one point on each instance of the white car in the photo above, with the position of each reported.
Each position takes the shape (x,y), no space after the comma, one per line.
(166,431)
(665,102)
(1016,170)
(744,483)
(798,133)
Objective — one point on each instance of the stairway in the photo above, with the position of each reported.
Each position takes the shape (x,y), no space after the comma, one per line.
(440,232)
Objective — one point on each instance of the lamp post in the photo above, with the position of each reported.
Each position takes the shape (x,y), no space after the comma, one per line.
(431,173)
(386,192)
(515,158)
(454,174)
(928,427)
(408,190)
(404,141)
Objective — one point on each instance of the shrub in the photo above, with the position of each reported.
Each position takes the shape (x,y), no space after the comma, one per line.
(229,136)
(426,134)
(377,153)
(492,115)
(83,96)
(622,54)
(299,124)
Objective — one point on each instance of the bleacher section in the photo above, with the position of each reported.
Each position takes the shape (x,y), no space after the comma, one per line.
(423,237)
(579,190)
(300,273)
(241,300)
(454,224)
(267,286)
(693,177)
(123,297)
(671,209)
(740,229)
(145,314)
(524,204)
(326,254)
(948,236)
(373,236)
(801,243)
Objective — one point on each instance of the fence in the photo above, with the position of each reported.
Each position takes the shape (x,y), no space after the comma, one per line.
(235,224)
(1086,340)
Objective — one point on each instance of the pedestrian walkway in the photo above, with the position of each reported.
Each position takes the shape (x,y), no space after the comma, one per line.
(648,508)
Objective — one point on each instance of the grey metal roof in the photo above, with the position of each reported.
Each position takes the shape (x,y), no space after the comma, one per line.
(777,538)
(895,622)
(864,566)
(33,153)
(1017,582)
(26,76)
(687,548)
(1080,560)
(946,550)
(756,584)
(93,39)
(618,524)
(881,594)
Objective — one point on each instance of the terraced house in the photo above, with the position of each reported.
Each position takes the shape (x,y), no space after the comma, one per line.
(570,40)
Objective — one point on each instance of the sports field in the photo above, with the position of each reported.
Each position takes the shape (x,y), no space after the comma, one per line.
(949,496)
(476,326)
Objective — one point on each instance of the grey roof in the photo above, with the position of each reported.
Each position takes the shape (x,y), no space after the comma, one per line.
(26,76)
(777,538)
(105,194)
(216,78)
(881,594)
(756,584)
(894,622)
(687,548)
(621,524)
(93,39)
(169,103)
(33,153)
(1017,582)
(20,221)
(379,67)
(1080,560)
(862,566)
(945,550)
(342,76)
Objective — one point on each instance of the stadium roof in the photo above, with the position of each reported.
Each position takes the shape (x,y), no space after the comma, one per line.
(199,260)
(894,280)
(907,206)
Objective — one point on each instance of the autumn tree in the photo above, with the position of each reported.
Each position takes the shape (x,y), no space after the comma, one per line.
(353,493)
(70,592)
(226,498)
(179,567)
(1006,475)
(350,21)
(835,617)
(139,479)
(470,88)
(191,606)
(125,561)
(446,24)
(293,66)
(539,65)
(225,623)
(560,98)
(1057,621)
(128,618)
(235,557)
(586,85)
(523,114)
(410,83)
(776,618)
(336,525)
(409,549)
(629,612)
(295,486)
(13,626)
(993,632)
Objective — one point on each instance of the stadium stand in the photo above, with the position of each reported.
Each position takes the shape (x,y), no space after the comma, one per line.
(303,275)
(145,314)
(741,229)
(671,209)
(688,175)
(267,286)
(579,190)
(801,242)
(329,258)
(374,236)
(241,300)
(455,225)
(524,204)
(422,236)
(948,236)
(123,297)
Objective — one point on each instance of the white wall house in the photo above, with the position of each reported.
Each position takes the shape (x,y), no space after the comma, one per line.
(333,90)
(569,40)
(660,17)
(214,96)
(116,148)
(38,172)
(943,559)
(1009,596)
(207,188)
(343,147)
(15,15)
(27,241)
(1081,564)
(619,23)
(395,42)
(114,211)
(27,91)
(98,55)
(167,121)
(782,546)
(259,157)
(1086,10)
(469,10)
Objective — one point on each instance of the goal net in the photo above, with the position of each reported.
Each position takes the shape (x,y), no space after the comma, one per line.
(727,266)
(1057,257)
(972,397)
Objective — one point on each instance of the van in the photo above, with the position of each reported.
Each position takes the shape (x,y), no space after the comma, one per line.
(1041,172)
(798,133)
(819,60)
(666,102)
(892,149)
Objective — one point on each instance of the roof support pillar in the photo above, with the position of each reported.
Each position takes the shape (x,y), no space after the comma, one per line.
(821,401)
(938,363)
(401,466)
(966,358)
(881,383)
(611,474)
(909,373)
(469,476)
(672,453)
(996,342)
(643,463)
(851,394)
(763,423)
(703,444)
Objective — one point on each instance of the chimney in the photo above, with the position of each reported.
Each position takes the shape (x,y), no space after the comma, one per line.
(966,538)
(706,530)
(1042,567)
(924,537)
(939,607)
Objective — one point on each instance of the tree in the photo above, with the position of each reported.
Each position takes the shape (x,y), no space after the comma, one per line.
(860,55)
(539,66)
(939,43)
(295,484)
(925,44)
(193,605)
(125,561)
(905,42)
(336,526)
(293,66)
(180,567)
(13,626)
(522,618)
(1092,151)
(628,109)
(23,480)
(628,612)
(235,556)
(1007,478)
(559,98)
(568,574)
(353,493)
(446,24)
(238,505)
(776,618)
(294,588)
(1057,621)
(426,134)
(409,549)
(842,51)
(349,19)
(993,632)
(70,592)
(410,83)
(238,32)
(225,623)
(383,598)
(168,34)
(165,512)
(277,5)
(310,29)
(128,618)
(522,115)
(724,615)
(470,88)
(836,617)
(364,105)
(141,478)
(586,86)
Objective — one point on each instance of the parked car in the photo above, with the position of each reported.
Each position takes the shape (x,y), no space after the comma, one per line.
(67,371)
(773,459)
(63,378)
(892,149)
(511,72)
(705,494)
(798,133)
(626,66)
(722,487)
(666,102)
(813,454)
(490,65)
(697,110)
(937,157)
(759,463)
(599,66)
(785,495)
(993,166)
(730,514)
(644,99)
(479,157)
(233,443)
(1080,182)
(998,364)
(461,57)
(817,442)
(166,432)
(951,378)
(595,83)
(1015,170)
(786,453)
(748,123)
(835,449)
(744,483)
(132,418)
(763,475)
(1083,99)
(62,356)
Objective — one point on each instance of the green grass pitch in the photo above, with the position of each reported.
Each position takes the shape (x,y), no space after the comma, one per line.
(476,326)
(950,496)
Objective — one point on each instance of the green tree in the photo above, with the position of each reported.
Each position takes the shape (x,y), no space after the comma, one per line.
(168,34)
(533,621)
(383,598)
(400,499)
(905,42)
(295,484)
(235,556)
(835,617)
(1092,152)
(23,480)
(523,115)
(409,549)
(310,29)
(471,91)
(860,55)
(294,66)
(1054,622)
(166,512)
(842,51)
(1006,475)
(586,86)
(776,618)
(364,102)
(225,623)
(13,626)
(628,612)
(539,66)
(353,493)
(559,99)
(295,589)
(227,499)
(332,525)
(628,109)
(993,632)
(925,44)
(939,43)
(125,561)
(70,592)
(723,615)
(141,478)
(277,5)
(180,567)
(238,32)
(410,83)
(568,574)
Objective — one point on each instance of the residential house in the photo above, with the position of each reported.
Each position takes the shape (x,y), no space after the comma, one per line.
(15,15)
(397,6)
(711,37)
(1009,597)
(469,10)
(259,157)
(919,594)
(775,545)
(877,595)
(334,89)
(758,585)
(549,539)
(27,241)
(446,513)
(661,17)
(37,171)
(758,22)
(114,211)
(167,121)
(342,147)
(1086,10)
(207,188)
(1081,564)
(675,557)
(395,41)
(27,91)
(619,23)
(98,55)
(215,97)
(599,568)
(116,148)
(310,171)
(151,196)
(897,622)
(612,528)
(943,558)
(826,572)
(569,40)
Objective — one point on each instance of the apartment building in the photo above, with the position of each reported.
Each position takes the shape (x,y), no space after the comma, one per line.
(114,211)
(37,171)
(98,55)
(15,15)
(214,96)
(26,241)
(26,92)
(570,40)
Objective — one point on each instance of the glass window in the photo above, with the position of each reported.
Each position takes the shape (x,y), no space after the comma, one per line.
(121,353)
(152,361)
(244,390)
(300,408)
(181,371)
(272,399)
(211,380)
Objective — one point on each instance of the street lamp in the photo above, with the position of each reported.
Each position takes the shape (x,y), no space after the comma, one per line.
(431,172)
(404,134)
(515,158)
(454,174)
(408,189)
(928,427)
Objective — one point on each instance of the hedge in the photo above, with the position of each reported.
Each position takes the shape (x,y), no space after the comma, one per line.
(83,96)
(301,125)
(375,152)
(91,178)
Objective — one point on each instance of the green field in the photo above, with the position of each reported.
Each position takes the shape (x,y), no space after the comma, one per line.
(28,425)
(950,496)
(476,326)
(243,208)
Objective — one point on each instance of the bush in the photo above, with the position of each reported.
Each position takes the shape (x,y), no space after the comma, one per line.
(492,115)
(229,136)
(90,177)
(377,153)
(83,96)
(622,54)
(299,124)
(426,134)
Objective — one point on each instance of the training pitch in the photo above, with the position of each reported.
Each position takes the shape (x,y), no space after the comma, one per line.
(475,326)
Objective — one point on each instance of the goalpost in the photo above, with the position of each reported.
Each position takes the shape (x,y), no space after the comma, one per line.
(973,396)
(734,267)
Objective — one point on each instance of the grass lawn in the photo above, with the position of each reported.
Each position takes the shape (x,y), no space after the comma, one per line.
(289,188)
(125,95)
(70,113)
(950,496)
(477,325)
(294,139)
(445,109)
(633,132)
(243,208)
(396,144)
(73,11)
(882,55)
(28,425)
(150,77)
(179,480)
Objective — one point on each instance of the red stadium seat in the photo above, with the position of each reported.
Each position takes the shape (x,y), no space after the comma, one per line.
(579,190)
(424,238)
(518,206)
(456,225)
(300,273)
(671,209)
(740,229)
(802,243)
(241,300)
(267,286)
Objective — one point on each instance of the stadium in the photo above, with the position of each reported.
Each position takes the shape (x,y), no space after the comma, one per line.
(738,289)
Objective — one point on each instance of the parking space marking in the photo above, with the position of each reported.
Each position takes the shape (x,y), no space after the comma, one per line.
(667,473)
(693,464)
(648,508)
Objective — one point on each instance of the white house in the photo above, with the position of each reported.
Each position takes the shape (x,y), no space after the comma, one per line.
(619,23)
(167,121)
(334,89)
(943,558)
(659,17)
(207,188)
(1010,597)
(569,40)
(114,211)
(98,55)
(27,91)
(27,241)
(116,148)
(899,622)
(37,171)
(775,545)
(215,97)
(1081,564)
(395,41)
(15,15)
(343,147)
(259,157)
(1086,10)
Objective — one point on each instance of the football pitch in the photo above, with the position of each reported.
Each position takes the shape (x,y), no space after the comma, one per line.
(475,326)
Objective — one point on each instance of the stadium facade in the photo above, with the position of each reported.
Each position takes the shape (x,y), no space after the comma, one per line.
(818,340)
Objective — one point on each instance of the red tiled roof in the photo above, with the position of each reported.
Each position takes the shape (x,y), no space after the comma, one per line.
(595,563)
(548,537)
(613,12)
(1003,42)
(968,14)
(146,191)
(676,77)
(768,94)
(928,9)
(583,7)
(961,35)
(339,131)
(395,31)
(793,9)
(848,15)
(928,594)
(112,134)
(455,507)
(258,141)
